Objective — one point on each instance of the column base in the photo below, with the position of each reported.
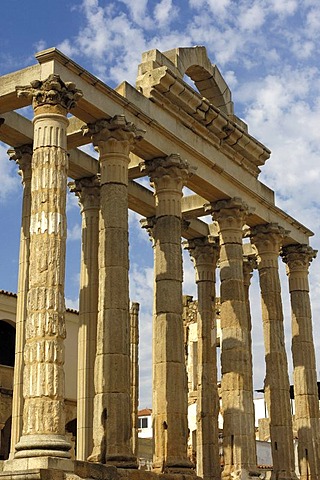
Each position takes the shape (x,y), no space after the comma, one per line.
(30,446)
(175,467)
(119,461)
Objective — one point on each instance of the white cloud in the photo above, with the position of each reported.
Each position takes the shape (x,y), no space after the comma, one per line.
(40,45)
(74,234)
(251,18)
(10,179)
(72,303)
(165,12)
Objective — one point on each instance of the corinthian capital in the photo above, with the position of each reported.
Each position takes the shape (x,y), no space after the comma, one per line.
(114,131)
(22,156)
(52,91)
(229,213)
(203,249)
(268,238)
(169,171)
(297,257)
(88,191)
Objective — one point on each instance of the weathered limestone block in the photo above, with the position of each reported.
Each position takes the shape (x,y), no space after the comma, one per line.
(168,176)
(204,252)
(134,373)
(298,259)
(43,421)
(267,241)
(112,427)
(88,192)
(22,155)
(236,363)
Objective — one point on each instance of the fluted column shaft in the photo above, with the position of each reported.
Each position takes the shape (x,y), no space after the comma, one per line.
(267,240)
(112,406)
(297,259)
(44,418)
(88,191)
(236,382)
(204,252)
(168,176)
(22,155)
(249,264)
(134,363)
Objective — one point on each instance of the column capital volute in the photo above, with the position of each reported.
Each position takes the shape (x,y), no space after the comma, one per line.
(267,237)
(204,252)
(229,213)
(22,155)
(88,192)
(297,257)
(51,95)
(267,240)
(167,170)
(203,247)
(117,132)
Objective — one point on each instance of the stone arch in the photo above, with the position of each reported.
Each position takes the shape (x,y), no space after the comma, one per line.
(194,62)
(7,343)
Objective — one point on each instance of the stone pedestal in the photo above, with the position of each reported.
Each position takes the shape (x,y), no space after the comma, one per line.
(236,382)
(204,252)
(88,191)
(112,427)
(297,259)
(22,155)
(267,241)
(168,176)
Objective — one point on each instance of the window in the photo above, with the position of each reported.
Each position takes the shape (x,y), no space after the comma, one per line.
(143,422)
(7,343)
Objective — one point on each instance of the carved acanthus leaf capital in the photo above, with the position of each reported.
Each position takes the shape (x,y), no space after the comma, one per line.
(229,213)
(169,172)
(52,91)
(203,249)
(114,130)
(297,257)
(267,238)
(204,253)
(88,191)
(22,155)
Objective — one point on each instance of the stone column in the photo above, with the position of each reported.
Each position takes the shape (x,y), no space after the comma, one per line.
(204,253)
(298,259)
(249,264)
(134,362)
(236,382)
(112,428)
(88,191)
(22,155)
(43,418)
(168,176)
(267,240)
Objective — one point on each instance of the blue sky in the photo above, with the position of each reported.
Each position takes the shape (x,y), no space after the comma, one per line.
(267,51)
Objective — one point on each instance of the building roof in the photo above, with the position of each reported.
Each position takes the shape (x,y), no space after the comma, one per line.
(145,412)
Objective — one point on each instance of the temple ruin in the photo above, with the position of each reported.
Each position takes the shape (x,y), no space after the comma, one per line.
(177,136)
